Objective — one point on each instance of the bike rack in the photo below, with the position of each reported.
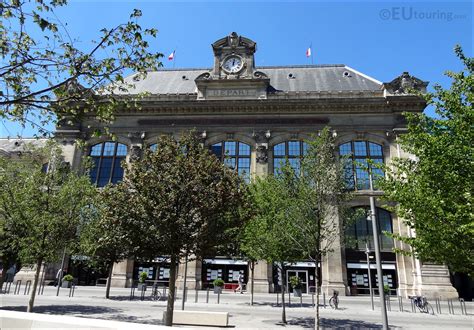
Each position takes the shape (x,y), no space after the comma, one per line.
(132,292)
(400,304)
(41,288)
(8,287)
(301,300)
(142,296)
(463,306)
(324,300)
(413,307)
(438,305)
(27,287)
(207,296)
(185,294)
(196,296)
(17,287)
(450,306)
(312,299)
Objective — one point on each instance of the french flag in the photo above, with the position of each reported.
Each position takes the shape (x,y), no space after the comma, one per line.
(171,56)
(308,52)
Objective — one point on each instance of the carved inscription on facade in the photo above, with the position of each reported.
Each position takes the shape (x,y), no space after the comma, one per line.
(231,92)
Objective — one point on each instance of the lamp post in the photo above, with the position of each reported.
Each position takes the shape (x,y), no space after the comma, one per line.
(377,253)
(367,252)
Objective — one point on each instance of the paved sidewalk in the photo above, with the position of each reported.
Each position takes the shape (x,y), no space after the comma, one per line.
(354,312)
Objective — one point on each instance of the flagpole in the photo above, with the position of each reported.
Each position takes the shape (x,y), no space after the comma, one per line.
(174,58)
(311,47)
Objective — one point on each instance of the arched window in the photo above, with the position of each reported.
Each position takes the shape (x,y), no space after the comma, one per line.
(358,152)
(107,157)
(234,154)
(288,151)
(360,232)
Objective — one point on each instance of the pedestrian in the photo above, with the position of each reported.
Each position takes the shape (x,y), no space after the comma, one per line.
(241,283)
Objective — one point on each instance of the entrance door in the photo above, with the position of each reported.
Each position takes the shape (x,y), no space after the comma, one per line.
(302,274)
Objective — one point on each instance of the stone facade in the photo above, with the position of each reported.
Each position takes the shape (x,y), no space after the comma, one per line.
(261,107)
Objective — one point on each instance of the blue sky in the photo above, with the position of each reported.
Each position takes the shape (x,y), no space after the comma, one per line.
(381,39)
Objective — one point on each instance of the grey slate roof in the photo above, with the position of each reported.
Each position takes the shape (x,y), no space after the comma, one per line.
(14,145)
(312,78)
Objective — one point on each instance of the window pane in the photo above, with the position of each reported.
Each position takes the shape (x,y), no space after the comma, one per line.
(217,150)
(345,149)
(109,148)
(375,149)
(244,149)
(96,150)
(229,162)
(293,148)
(121,150)
(295,164)
(349,174)
(305,148)
(360,148)
(277,165)
(153,147)
(95,166)
(279,149)
(230,148)
(104,172)
(385,224)
(117,174)
(362,175)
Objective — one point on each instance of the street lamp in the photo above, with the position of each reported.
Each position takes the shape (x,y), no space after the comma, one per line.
(377,253)
(367,252)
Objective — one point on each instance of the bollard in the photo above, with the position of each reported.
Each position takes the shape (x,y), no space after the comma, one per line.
(196,298)
(219,296)
(142,296)
(132,292)
(400,304)
(185,294)
(27,286)
(301,300)
(17,287)
(42,288)
(312,299)
(324,300)
(289,298)
(278,299)
(463,306)
(207,296)
(71,290)
(387,301)
(413,307)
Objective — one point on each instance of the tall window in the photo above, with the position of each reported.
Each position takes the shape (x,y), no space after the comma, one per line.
(356,169)
(360,232)
(288,151)
(107,157)
(234,154)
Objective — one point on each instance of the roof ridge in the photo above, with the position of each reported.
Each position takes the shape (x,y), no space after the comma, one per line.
(296,66)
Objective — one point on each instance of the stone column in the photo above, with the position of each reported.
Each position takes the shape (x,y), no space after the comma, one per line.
(435,282)
(262,277)
(333,264)
(122,274)
(193,279)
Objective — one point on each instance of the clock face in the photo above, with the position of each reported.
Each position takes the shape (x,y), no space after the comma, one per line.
(233,64)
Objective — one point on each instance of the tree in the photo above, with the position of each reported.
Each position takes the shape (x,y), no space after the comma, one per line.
(46,206)
(305,208)
(106,236)
(264,237)
(45,76)
(433,190)
(183,200)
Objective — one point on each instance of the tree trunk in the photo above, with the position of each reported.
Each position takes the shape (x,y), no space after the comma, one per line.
(171,292)
(109,280)
(283,285)
(316,284)
(3,277)
(31,302)
(252,268)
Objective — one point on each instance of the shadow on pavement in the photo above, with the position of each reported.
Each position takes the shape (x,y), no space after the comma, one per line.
(65,309)
(325,323)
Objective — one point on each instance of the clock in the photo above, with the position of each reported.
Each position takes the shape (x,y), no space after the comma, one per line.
(233,64)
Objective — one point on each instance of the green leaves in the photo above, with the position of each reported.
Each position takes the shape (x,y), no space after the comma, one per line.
(434,190)
(37,67)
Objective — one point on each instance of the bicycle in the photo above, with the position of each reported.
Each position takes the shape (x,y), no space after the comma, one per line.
(422,304)
(334,301)
(155,293)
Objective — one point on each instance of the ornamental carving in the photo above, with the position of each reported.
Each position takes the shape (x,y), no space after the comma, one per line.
(262,153)
(404,84)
